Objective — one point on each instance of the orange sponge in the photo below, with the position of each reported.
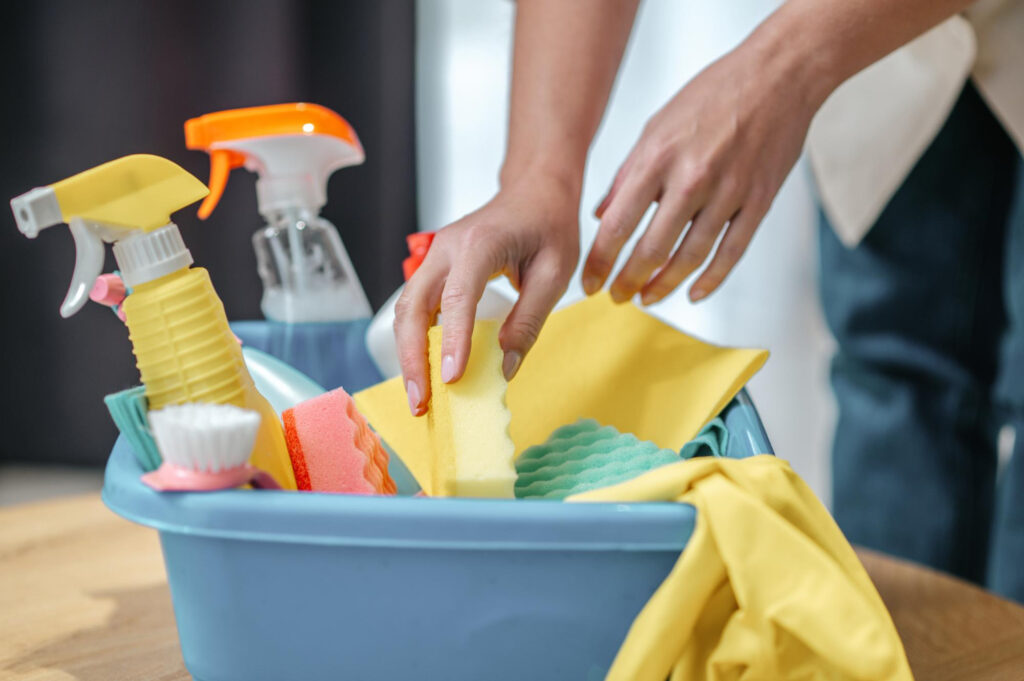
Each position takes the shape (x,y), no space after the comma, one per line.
(333,449)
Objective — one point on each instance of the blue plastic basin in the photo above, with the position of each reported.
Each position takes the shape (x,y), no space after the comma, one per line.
(278,586)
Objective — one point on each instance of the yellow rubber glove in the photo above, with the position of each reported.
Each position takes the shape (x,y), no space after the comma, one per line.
(767,587)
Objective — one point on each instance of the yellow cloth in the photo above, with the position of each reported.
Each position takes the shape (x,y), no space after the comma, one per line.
(594,359)
(767,587)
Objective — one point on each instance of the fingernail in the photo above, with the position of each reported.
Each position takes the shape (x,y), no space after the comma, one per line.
(647,298)
(448,368)
(510,364)
(697,293)
(591,284)
(413,391)
(618,296)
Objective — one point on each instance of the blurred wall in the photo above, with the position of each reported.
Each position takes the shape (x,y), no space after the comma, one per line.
(89,82)
(463,66)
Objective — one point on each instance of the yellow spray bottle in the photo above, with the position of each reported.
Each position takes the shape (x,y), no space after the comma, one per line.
(183,346)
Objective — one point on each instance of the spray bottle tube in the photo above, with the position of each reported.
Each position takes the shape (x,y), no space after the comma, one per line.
(183,346)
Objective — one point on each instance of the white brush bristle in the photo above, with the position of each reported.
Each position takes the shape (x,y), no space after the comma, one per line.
(205,437)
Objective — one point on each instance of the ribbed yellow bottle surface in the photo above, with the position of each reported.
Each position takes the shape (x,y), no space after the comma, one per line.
(468,419)
(186,352)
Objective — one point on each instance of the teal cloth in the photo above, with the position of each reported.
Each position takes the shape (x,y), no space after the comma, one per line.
(712,440)
(129,410)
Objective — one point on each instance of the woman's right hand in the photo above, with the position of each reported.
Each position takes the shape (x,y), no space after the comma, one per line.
(530,232)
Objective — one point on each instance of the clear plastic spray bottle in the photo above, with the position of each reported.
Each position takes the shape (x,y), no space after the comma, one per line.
(307,274)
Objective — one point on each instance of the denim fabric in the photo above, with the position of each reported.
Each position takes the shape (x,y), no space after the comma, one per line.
(928,313)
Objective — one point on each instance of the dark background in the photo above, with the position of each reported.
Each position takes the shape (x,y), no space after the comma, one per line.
(85,83)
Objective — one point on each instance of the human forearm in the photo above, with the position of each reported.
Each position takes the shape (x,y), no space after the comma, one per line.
(566,56)
(821,43)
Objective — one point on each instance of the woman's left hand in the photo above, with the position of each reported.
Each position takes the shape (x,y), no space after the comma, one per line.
(714,158)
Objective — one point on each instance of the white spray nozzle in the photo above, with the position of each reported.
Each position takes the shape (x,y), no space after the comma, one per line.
(293,169)
(35,210)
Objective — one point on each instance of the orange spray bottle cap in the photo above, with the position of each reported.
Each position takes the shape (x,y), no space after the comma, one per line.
(293,147)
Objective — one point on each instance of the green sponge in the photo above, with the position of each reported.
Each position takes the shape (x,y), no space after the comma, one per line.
(584,456)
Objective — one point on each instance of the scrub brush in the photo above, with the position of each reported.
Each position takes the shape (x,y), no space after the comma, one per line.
(205,447)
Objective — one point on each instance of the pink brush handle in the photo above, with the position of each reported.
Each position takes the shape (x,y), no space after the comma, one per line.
(171,478)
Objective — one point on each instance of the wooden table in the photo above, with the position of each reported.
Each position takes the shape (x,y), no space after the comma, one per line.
(83,596)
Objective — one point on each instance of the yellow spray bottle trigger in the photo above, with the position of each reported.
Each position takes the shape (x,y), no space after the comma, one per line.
(107,203)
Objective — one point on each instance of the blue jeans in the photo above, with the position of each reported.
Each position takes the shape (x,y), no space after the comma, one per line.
(928,312)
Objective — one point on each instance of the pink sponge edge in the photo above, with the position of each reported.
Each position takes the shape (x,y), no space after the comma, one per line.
(337,447)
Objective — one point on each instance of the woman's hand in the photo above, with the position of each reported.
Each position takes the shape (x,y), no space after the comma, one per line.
(715,155)
(530,232)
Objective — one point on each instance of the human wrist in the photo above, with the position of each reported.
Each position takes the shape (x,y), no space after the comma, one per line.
(796,54)
(556,174)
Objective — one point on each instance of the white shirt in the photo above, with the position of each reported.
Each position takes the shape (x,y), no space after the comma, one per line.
(873,129)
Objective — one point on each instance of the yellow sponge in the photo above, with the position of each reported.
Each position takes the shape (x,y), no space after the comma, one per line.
(468,421)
